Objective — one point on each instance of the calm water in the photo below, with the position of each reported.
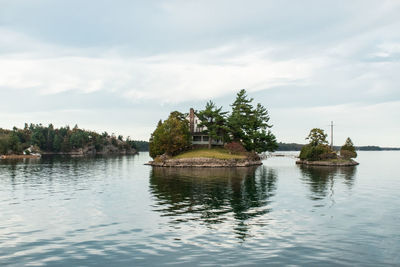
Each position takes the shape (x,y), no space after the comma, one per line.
(116,211)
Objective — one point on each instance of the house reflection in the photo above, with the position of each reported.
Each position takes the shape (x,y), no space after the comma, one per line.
(321,179)
(213,195)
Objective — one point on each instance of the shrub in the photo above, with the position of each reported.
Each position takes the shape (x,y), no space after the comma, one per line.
(235,148)
(347,154)
(348,150)
(319,152)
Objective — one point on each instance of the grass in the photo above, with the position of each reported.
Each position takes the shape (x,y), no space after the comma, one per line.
(214,153)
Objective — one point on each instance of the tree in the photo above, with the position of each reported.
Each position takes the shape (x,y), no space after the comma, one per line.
(238,121)
(318,148)
(4,144)
(155,141)
(170,136)
(14,144)
(317,137)
(214,119)
(57,143)
(249,125)
(348,150)
(38,138)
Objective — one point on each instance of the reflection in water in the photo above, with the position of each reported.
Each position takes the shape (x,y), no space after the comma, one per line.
(321,179)
(213,195)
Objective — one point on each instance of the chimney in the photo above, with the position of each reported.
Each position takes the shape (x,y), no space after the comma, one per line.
(191,120)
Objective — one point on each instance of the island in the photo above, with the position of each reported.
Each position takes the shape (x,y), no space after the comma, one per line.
(210,158)
(319,153)
(212,137)
(35,140)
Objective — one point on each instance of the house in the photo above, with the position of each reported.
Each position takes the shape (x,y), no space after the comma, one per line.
(197,132)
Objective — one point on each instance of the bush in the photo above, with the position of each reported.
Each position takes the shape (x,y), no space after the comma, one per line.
(319,152)
(235,148)
(348,150)
(347,154)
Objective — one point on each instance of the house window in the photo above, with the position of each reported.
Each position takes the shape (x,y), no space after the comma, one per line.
(205,138)
(196,138)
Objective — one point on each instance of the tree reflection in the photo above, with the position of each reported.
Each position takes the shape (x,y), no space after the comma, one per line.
(321,179)
(213,195)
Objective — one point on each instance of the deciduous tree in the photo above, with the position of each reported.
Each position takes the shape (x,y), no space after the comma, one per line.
(170,136)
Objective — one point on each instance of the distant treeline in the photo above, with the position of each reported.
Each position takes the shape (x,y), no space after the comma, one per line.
(141,145)
(39,138)
(297,147)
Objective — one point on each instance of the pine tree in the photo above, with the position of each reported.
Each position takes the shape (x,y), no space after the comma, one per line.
(214,120)
(249,125)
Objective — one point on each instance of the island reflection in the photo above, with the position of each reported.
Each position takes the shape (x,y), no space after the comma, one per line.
(321,179)
(213,195)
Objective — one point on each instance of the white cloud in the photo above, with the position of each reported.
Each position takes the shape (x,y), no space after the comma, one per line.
(323,57)
(172,77)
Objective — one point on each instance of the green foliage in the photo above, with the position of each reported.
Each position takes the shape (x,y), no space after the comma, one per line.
(289,146)
(141,145)
(49,139)
(318,148)
(348,150)
(170,136)
(249,125)
(318,152)
(4,145)
(215,122)
(238,121)
(317,137)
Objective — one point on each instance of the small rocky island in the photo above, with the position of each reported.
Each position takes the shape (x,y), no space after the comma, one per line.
(319,153)
(212,137)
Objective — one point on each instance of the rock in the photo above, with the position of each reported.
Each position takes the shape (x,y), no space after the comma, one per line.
(205,162)
(328,163)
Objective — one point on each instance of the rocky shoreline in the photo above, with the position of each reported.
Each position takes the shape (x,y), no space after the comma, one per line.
(75,153)
(204,163)
(346,163)
(20,156)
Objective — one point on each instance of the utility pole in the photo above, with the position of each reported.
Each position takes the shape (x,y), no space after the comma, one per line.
(332,135)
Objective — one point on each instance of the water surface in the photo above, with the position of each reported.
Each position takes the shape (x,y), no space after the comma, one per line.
(101,211)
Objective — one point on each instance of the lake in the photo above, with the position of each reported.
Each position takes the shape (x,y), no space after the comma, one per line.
(105,211)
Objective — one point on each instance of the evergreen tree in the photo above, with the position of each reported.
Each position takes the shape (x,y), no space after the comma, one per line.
(249,125)
(215,122)
(238,121)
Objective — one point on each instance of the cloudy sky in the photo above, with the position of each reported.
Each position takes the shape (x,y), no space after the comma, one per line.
(122,65)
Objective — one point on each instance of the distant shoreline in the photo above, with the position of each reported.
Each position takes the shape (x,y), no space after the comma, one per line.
(297,147)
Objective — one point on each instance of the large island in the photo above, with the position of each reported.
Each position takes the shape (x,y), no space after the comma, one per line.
(35,140)
(212,137)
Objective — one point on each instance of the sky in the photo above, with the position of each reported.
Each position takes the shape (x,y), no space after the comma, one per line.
(120,66)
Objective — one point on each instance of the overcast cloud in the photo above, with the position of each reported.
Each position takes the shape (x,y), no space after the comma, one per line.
(120,66)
